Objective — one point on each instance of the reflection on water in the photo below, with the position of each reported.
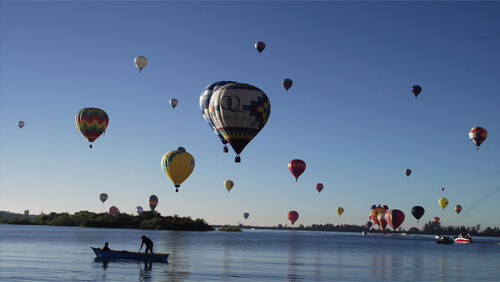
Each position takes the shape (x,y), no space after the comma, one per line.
(27,254)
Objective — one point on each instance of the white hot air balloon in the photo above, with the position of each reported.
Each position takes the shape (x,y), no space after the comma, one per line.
(140,62)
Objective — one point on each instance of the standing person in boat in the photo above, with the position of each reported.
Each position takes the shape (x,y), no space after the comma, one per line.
(149,244)
(106,247)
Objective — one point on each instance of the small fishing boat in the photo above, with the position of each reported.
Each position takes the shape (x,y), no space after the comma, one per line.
(444,240)
(110,254)
(463,238)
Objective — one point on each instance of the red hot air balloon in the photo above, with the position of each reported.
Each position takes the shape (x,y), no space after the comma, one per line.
(436,219)
(458,209)
(395,218)
(296,167)
(319,187)
(293,216)
(442,189)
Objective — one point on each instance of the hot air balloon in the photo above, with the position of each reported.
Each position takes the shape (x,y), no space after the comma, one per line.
(417,212)
(376,211)
(260,46)
(91,122)
(368,224)
(395,218)
(443,202)
(173,102)
(458,209)
(319,187)
(436,219)
(296,167)
(477,135)
(287,83)
(205,97)
(442,189)
(103,197)
(407,172)
(177,165)
(153,202)
(239,111)
(229,185)
(139,209)
(246,215)
(140,62)
(416,90)
(293,216)
(113,210)
(20,124)
(382,221)
(339,210)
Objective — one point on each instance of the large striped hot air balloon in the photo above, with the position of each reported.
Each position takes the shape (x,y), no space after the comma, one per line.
(91,122)
(394,218)
(239,111)
(177,165)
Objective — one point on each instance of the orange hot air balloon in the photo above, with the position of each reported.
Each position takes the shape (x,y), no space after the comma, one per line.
(376,211)
(296,167)
(436,219)
(293,216)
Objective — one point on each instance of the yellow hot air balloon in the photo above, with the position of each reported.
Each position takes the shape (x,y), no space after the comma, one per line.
(177,165)
(340,210)
(443,202)
(229,185)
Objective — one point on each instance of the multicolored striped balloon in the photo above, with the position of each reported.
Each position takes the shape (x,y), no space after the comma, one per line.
(91,122)
(153,202)
(477,135)
(394,218)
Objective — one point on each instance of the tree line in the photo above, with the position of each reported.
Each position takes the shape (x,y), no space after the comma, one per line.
(146,220)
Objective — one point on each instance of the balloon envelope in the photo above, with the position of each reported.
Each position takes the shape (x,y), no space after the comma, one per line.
(177,165)
(458,209)
(293,216)
(229,185)
(239,111)
(296,167)
(417,212)
(139,209)
(415,89)
(103,197)
(394,218)
(113,210)
(260,46)
(173,102)
(20,124)
(319,187)
(287,83)
(477,135)
(376,211)
(140,62)
(91,122)
(436,219)
(443,202)
(339,210)
(368,224)
(246,215)
(153,202)
(407,172)
(382,221)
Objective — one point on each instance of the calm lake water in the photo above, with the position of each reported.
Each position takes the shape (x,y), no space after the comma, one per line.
(49,253)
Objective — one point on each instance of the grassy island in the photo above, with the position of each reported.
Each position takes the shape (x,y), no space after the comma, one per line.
(230,228)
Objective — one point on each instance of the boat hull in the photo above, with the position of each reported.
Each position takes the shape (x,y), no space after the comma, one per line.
(103,254)
(463,241)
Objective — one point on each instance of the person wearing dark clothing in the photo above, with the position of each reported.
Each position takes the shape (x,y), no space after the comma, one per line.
(149,244)
(106,247)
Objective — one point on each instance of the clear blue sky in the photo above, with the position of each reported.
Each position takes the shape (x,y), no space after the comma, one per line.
(349,115)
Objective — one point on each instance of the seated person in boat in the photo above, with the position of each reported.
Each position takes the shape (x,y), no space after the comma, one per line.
(106,247)
(149,244)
